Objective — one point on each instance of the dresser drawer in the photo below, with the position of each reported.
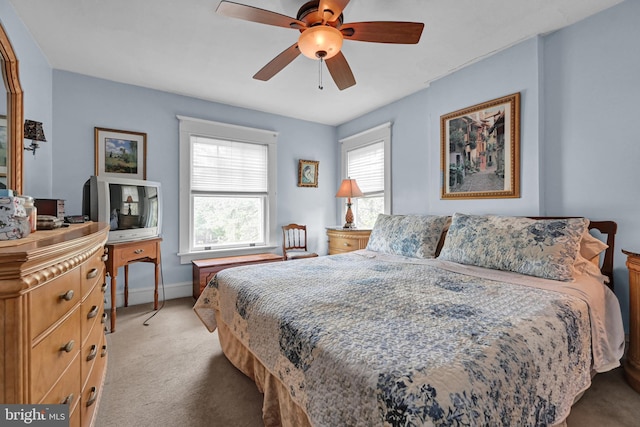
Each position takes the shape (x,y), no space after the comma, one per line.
(93,387)
(67,389)
(91,351)
(91,311)
(50,358)
(136,250)
(92,272)
(53,300)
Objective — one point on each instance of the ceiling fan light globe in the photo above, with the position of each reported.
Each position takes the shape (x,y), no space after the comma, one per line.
(322,41)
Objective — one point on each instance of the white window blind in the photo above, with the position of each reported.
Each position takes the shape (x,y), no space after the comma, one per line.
(228,166)
(365,164)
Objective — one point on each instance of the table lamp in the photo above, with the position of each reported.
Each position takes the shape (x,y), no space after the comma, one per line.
(349,188)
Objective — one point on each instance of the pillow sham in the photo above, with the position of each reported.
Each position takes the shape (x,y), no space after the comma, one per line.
(414,236)
(591,246)
(542,248)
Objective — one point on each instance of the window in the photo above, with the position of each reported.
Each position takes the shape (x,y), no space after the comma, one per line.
(366,157)
(227,189)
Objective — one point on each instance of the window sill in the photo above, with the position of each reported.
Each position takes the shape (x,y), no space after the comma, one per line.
(187,257)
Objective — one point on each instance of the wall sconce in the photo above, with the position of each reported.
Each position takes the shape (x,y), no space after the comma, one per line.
(33,131)
(349,188)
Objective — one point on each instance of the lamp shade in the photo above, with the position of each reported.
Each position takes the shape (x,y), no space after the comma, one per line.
(349,188)
(33,131)
(321,41)
(129,199)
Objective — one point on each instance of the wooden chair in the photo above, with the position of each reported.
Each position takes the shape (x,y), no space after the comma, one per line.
(294,242)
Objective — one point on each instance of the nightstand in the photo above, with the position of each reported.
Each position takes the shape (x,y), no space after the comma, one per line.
(342,240)
(632,363)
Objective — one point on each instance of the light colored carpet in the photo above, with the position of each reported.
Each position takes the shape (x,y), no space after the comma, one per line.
(173,373)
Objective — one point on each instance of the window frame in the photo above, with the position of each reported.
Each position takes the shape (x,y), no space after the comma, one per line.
(371,136)
(188,127)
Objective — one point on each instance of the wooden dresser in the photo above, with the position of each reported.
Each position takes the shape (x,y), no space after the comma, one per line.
(343,240)
(52,342)
(632,362)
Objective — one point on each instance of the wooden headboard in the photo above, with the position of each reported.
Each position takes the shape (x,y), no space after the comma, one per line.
(608,228)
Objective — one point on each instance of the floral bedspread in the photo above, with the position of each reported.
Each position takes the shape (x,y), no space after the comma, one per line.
(363,341)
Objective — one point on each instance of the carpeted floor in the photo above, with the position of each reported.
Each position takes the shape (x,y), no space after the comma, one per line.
(173,373)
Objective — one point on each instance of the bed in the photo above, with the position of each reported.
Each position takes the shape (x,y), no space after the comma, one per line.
(461,320)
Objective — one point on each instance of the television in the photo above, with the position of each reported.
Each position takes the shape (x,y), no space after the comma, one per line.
(132,207)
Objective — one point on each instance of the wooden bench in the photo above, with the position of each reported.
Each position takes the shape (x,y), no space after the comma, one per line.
(204,269)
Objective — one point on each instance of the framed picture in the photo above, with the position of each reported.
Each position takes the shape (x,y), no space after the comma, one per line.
(121,153)
(480,150)
(308,173)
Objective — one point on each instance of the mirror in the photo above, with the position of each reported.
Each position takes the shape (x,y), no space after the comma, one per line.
(12,169)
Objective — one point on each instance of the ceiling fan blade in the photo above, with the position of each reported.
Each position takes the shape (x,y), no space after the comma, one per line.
(330,10)
(261,16)
(278,63)
(340,71)
(383,32)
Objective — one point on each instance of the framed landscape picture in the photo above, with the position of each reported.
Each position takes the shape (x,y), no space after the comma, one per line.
(308,173)
(480,150)
(120,153)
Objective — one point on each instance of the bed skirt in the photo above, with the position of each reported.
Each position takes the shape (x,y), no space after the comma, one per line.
(278,409)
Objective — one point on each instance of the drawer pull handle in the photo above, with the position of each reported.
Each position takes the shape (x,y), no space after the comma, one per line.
(104,318)
(68,346)
(93,353)
(67,400)
(104,351)
(93,273)
(105,258)
(92,397)
(93,313)
(346,244)
(104,287)
(138,251)
(67,296)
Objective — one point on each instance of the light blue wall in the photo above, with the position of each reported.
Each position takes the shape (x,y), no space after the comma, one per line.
(579,145)
(591,141)
(36,82)
(82,103)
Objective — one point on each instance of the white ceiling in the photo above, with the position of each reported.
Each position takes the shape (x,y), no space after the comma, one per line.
(184,47)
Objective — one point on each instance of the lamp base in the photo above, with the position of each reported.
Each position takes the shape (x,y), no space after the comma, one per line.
(348,219)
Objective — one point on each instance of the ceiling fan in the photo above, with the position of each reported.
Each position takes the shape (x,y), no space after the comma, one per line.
(322,31)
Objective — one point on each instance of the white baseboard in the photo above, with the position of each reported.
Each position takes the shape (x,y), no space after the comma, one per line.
(145,295)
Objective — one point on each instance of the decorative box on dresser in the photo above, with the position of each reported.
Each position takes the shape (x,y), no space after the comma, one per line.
(343,240)
(632,362)
(52,341)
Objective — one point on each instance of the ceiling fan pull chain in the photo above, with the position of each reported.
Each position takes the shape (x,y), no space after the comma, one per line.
(320,74)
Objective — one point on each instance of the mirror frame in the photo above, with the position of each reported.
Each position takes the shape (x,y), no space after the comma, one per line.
(15,113)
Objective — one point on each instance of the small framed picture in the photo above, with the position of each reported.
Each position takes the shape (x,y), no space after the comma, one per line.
(120,153)
(308,173)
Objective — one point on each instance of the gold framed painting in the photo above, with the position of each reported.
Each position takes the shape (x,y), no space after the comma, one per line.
(308,173)
(120,153)
(480,150)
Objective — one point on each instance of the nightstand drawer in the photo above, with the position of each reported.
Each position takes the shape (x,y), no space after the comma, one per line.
(137,250)
(347,240)
(342,244)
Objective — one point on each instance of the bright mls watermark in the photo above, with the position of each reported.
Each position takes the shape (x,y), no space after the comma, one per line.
(34,415)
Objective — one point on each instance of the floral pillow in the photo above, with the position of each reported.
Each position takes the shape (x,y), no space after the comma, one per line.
(542,248)
(414,236)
